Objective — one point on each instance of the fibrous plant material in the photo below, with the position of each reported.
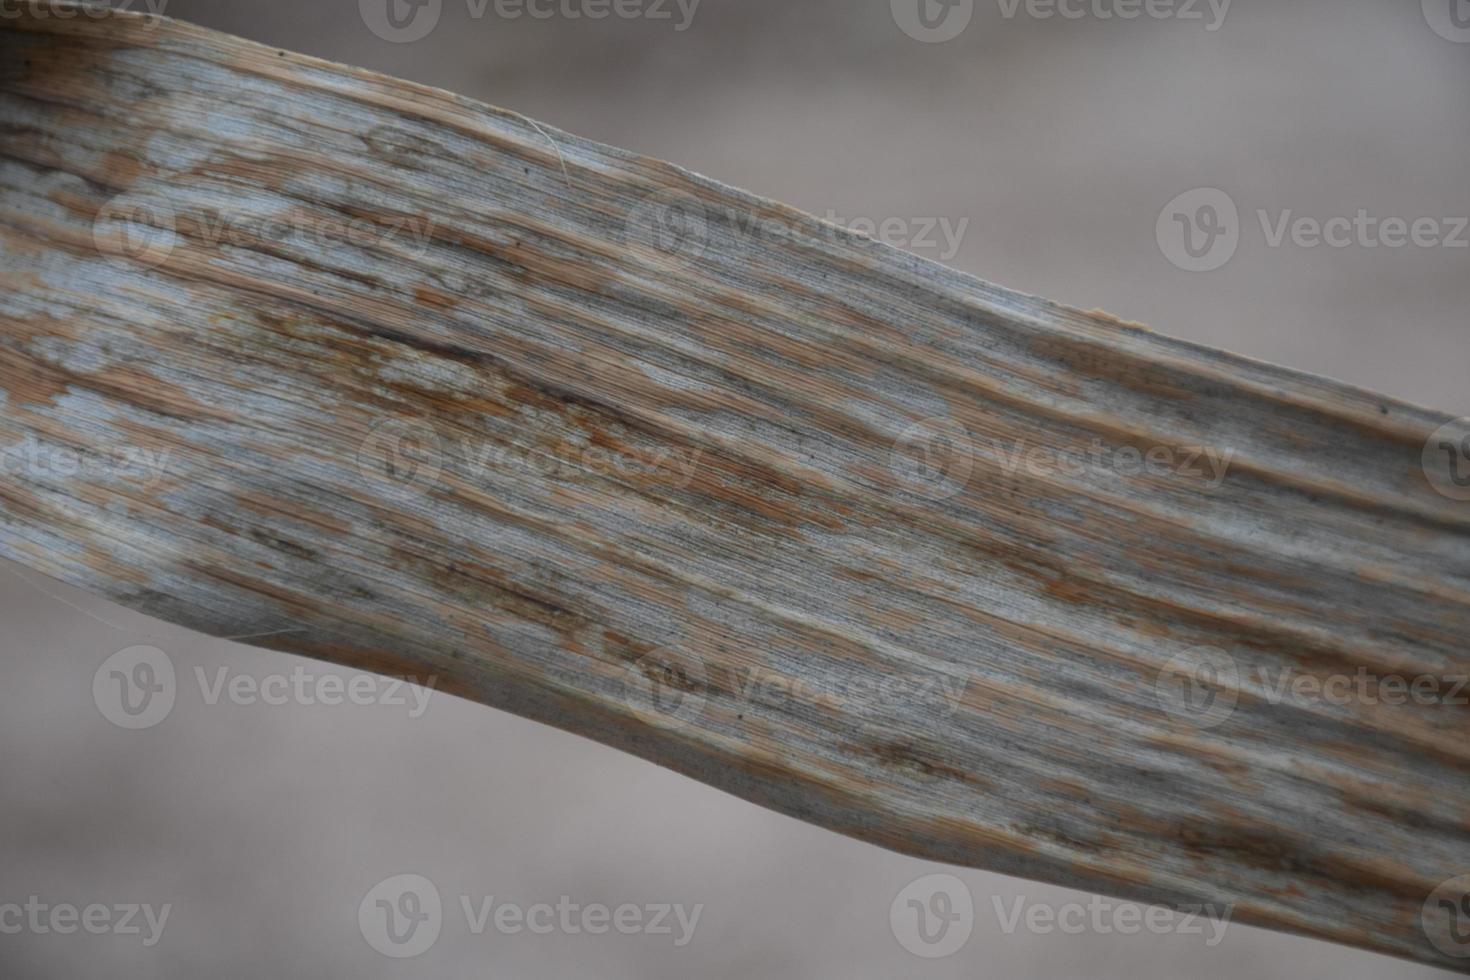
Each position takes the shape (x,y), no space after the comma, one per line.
(383,376)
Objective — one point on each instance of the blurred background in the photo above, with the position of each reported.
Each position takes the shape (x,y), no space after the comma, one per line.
(1061,155)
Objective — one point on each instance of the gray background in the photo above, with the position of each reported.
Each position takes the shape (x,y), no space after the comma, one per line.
(1060,141)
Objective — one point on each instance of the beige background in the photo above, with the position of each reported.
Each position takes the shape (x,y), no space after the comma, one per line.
(1060,141)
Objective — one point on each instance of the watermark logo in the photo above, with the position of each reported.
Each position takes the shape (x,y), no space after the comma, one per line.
(1446,459)
(138,228)
(933,458)
(401,21)
(933,917)
(1103,917)
(667,687)
(1450,19)
(673,223)
(1446,918)
(1199,230)
(933,21)
(401,916)
(405,452)
(135,688)
(64,919)
(1200,687)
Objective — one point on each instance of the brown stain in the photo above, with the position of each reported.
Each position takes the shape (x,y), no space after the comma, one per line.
(1416,808)
(1099,363)
(434,298)
(285,546)
(1070,789)
(329,525)
(122,168)
(115,567)
(270,172)
(293,605)
(32,392)
(926,761)
(1117,323)
(1271,850)
(1186,745)
(489,588)
(32,146)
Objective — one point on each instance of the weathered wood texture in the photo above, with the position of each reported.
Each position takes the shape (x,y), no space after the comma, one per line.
(623,450)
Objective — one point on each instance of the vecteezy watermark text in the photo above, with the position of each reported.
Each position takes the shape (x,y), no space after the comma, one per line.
(37,460)
(1203,686)
(934,917)
(1205,463)
(403,916)
(406,21)
(42,918)
(137,688)
(146,228)
(936,237)
(1211,13)
(410,455)
(684,227)
(1364,687)
(1201,230)
(1104,917)
(152,10)
(937,457)
(671,687)
(937,21)
(931,696)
